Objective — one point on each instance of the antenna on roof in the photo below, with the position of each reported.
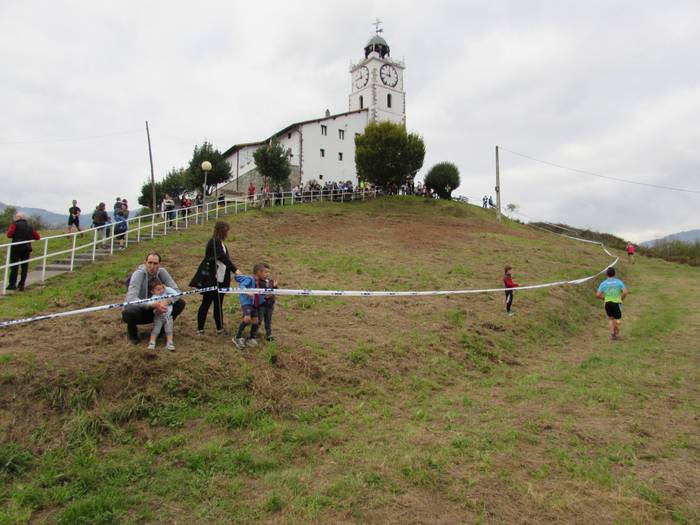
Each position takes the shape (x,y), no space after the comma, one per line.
(376,25)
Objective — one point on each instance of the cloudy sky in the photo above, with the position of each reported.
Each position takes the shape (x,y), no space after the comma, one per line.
(611,87)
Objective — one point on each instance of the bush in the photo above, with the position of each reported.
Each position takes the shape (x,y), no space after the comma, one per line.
(443,179)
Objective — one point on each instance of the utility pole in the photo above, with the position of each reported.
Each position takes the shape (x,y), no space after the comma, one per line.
(153,179)
(498,188)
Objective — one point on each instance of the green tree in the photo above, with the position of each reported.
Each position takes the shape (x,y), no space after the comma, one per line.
(386,154)
(146,197)
(220,168)
(175,183)
(7,217)
(272,163)
(443,179)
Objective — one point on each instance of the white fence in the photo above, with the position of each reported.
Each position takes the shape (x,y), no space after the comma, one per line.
(161,223)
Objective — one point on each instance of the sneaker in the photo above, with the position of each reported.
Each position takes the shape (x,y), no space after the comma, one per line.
(133,340)
(200,332)
(170,347)
(220,332)
(10,287)
(240,342)
(251,343)
(511,314)
(151,345)
(270,338)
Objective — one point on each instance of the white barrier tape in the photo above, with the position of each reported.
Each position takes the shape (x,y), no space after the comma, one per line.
(318,293)
(5,324)
(410,293)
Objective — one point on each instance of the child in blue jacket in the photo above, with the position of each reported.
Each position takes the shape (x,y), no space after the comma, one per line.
(250,304)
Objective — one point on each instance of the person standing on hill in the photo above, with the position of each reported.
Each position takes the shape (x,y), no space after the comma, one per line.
(20,231)
(631,250)
(509,284)
(138,288)
(74,217)
(100,218)
(215,269)
(613,291)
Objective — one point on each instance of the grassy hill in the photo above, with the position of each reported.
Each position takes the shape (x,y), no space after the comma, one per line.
(402,410)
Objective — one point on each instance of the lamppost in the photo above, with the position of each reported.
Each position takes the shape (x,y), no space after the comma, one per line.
(206,168)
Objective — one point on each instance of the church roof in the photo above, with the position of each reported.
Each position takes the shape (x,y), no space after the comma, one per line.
(376,39)
(237,147)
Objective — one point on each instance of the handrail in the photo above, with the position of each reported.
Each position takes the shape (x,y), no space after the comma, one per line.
(190,214)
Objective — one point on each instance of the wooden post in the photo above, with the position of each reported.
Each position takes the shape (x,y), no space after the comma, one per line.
(153,180)
(498,188)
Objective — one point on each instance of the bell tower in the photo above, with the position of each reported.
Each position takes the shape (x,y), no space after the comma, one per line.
(377,82)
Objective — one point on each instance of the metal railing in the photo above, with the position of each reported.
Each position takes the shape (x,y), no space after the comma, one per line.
(171,220)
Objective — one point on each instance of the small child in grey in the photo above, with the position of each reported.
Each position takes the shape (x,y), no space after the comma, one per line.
(162,320)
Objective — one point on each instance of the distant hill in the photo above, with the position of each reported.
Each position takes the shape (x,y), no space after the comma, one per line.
(689,236)
(50,218)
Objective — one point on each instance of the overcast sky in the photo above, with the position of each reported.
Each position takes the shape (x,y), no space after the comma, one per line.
(611,87)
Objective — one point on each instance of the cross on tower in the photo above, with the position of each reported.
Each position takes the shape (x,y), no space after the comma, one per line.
(376,25)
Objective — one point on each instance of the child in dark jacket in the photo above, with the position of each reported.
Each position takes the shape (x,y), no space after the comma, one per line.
(509,284)
(250,305)
(268,307)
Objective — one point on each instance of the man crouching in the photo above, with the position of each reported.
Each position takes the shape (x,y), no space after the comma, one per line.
(139,286)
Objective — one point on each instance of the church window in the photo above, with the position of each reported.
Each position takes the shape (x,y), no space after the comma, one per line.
(388,100)
(340,155)
(320,177)
(323,152)
(289,135)
(362,102)
(324,129)
(341,134)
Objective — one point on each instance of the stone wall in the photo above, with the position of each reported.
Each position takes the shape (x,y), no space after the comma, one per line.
(244,180)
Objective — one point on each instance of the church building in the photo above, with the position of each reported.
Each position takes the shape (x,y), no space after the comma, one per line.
(323,149)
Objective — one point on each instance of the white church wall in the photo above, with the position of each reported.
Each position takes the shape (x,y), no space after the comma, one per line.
(333,170)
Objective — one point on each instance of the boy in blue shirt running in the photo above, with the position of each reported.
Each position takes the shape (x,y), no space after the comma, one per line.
(613,291)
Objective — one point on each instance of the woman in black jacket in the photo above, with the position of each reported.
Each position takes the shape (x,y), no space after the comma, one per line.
(222,266)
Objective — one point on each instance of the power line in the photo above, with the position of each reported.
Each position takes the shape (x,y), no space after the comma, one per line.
(617,179)
(70,139)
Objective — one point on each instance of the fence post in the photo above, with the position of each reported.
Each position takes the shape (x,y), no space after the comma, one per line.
(153,225)
(217,210)
(126,237)
(165,224)
(72,253)
(94,243)
(138,230)
(111,240)
(245,205)
(7,269)
(43,266)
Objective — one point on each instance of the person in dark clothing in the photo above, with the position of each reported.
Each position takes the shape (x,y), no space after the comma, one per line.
(100,218)
(20,232)
(217,254)
(267,308)
(137,314)
(74,217)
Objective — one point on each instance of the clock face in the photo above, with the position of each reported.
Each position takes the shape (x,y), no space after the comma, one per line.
(389,75)
(361,77)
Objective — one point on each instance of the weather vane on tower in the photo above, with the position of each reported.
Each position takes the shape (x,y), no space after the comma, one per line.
(376,25)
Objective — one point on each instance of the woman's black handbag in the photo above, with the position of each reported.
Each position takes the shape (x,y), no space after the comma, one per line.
(205,275)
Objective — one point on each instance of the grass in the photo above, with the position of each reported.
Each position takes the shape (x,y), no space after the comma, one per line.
(362,411)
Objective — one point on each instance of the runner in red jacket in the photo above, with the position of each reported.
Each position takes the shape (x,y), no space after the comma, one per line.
(509,284)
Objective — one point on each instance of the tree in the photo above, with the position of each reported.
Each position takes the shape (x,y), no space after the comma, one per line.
(175,183)
(7,217)
(512,208)
(443,179)
(272,163)
(220,168)
(146,197)
(386,154)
